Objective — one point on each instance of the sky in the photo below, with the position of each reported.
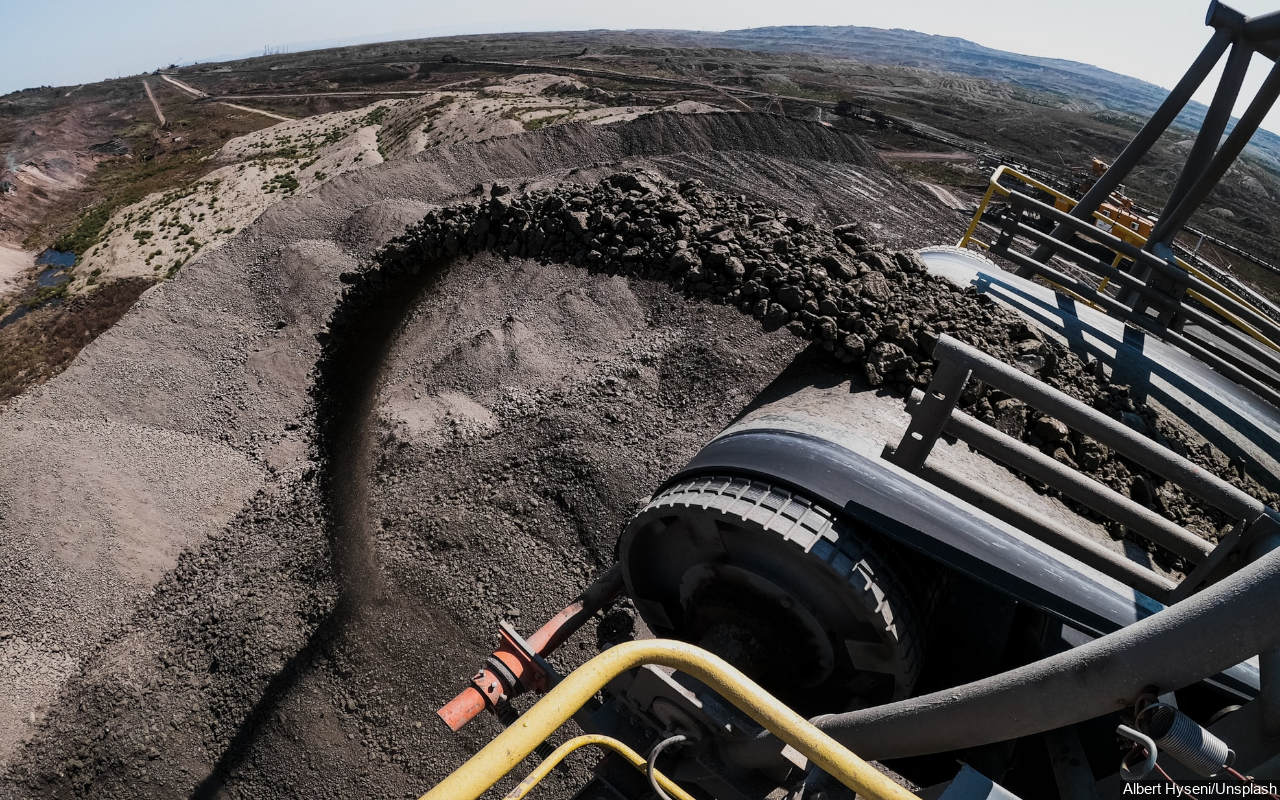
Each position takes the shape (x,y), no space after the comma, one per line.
(68,42)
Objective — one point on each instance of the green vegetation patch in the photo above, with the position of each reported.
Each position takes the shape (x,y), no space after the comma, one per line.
(284,182)
(87,231)
(542,122)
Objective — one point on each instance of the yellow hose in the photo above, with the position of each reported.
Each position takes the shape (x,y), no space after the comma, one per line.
(586,740)
(514,744)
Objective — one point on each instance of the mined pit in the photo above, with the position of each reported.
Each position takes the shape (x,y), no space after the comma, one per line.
(421,438)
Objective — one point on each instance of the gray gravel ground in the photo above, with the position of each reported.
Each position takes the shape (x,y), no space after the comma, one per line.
(522,413)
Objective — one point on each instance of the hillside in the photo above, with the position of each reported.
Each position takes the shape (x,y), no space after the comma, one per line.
(1076,83)
(136,176)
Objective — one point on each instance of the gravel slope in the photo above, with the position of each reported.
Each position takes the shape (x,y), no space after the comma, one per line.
(196,404)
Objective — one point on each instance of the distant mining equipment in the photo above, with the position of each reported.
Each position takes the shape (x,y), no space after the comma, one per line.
(815,606)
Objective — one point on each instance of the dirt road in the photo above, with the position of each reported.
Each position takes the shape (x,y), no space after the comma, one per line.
(194,92)
(924,155)
(362,93)
(947,197)
(186,87)
(271,114)
(154,103)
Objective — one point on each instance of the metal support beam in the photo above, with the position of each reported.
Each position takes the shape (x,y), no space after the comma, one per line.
(1031,462)
(1264,325)
(1230,150)
(1075,544)
(1215,124)
(1169,465)
(1114,307)
(1150,132)
(930,418)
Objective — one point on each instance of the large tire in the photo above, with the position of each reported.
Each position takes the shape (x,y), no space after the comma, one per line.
(777,584)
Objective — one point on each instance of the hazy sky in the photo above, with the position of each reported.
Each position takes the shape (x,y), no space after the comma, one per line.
(67,42)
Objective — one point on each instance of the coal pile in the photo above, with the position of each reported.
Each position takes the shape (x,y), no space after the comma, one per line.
(876,311)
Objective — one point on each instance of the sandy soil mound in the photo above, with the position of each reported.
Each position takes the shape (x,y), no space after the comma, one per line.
(14,263)
(159,234)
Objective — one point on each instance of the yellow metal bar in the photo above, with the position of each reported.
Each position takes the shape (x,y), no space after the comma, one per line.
(1209,279)
(1074,295)
(1234,320)
(1115,264)
(515,743)
(587,740)
(977,215)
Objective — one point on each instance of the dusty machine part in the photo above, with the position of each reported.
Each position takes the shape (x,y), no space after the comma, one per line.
(519,665)
(1184,740)
(934,413)
(1197,638)
(777,584)
(813,441)
(807,442)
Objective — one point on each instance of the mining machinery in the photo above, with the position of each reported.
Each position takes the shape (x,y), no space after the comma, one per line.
(824,615)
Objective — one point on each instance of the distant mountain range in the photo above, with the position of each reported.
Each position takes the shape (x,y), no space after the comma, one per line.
(1069,80)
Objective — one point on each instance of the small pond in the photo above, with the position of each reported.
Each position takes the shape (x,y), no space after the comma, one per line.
(56,264)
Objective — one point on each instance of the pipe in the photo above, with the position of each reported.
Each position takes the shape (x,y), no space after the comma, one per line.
(517,741)
(514,666)
(1201,636)
(1268,660)
(598,740)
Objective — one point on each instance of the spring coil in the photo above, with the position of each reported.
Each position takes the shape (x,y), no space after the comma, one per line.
(1185,741)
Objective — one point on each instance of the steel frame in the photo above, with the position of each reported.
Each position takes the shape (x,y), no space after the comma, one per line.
(934,413)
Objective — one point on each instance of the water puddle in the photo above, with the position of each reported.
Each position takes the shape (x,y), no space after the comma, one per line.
(57,271)
(56,264)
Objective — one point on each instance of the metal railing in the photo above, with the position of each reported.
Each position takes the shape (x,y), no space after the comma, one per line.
(934,413)
(606,743)
(1234,354)
(1214,306)
(518,740)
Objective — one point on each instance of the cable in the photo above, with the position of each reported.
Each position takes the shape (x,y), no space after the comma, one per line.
(1180,787)
(1249,779)
(653,762)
